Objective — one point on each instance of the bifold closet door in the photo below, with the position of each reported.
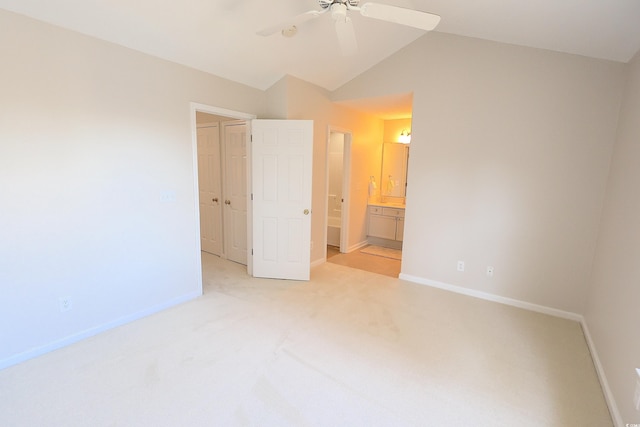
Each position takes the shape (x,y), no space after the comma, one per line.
(209,183)
(235,191)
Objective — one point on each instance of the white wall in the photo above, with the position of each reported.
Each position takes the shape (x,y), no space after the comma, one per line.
(612,308)
(509,157)
(92,135)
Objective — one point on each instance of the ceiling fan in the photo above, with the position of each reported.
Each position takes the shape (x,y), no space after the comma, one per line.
(344,27)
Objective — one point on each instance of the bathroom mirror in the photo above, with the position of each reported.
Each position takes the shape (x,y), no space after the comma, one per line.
(395,157)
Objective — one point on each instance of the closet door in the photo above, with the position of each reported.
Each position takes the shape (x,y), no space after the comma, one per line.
(235,191)
(209,182)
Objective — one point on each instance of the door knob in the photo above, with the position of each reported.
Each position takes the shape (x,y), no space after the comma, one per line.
(306,212)
(227,202)
(215,199)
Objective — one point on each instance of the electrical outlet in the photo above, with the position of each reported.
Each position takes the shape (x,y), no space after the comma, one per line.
(490,271)
(65,304)
(460,265)
(168,196)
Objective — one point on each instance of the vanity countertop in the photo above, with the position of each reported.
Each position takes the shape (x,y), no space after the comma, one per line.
(396,205)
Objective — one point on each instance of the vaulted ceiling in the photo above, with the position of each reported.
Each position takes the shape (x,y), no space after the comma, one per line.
(219,36)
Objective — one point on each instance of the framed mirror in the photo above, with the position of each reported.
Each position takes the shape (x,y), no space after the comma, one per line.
(395,157)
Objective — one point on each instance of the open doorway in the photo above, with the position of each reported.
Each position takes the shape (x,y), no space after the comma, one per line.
(217,220)
(338,190)
(385,207)
(280,151)
(222,182)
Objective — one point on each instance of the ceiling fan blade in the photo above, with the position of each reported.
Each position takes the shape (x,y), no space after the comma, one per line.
(346,36)
(303,17)
(399,15)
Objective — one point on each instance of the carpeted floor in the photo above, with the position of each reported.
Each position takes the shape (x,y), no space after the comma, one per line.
(347,348)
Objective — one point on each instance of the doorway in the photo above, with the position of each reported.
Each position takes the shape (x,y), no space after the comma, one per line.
(209,115)
(289,165)
(222,181)
(338,190)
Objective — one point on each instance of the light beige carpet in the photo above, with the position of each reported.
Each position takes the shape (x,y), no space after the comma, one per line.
(382,251)
(348,348)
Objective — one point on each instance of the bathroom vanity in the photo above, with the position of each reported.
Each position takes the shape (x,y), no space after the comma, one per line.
(386,221)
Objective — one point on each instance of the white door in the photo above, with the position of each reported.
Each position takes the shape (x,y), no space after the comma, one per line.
(281,183)
(209,176)
(235,194)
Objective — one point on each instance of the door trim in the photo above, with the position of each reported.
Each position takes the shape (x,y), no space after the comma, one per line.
(218,111)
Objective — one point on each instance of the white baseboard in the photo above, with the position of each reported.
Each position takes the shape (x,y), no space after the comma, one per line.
(492,297)
(352,248)
(319,261)
(357,246)
(608,395)
(71,339)
(613,408)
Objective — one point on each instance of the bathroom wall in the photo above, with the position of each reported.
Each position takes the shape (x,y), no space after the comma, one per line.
(392,129)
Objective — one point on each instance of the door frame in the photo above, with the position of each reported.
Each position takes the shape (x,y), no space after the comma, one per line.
(218,111)
(346,187)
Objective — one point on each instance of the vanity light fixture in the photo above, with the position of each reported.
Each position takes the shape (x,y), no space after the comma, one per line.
(405,137)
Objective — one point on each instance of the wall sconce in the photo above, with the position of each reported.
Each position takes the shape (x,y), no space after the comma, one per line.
(405,137)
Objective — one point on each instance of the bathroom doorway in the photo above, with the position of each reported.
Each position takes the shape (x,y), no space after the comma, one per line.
(338,177)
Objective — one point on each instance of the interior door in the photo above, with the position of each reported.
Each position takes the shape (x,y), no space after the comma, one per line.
(281,155)
(235,203)
(209,183)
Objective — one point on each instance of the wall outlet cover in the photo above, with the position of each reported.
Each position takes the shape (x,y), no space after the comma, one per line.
(65,304)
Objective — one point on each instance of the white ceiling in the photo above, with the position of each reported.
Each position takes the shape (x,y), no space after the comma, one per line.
(219,36)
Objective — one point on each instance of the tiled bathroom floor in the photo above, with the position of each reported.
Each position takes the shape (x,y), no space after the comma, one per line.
(372,263)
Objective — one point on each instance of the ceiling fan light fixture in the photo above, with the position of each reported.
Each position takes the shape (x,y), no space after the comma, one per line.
(290,31)
(339,11)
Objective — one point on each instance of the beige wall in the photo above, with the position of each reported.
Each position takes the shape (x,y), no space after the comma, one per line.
(92,136)
(306,101)
(509,157)
(612,309)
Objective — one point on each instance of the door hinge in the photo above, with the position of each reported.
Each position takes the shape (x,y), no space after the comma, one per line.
(251,251)
(251,196)
(251,137)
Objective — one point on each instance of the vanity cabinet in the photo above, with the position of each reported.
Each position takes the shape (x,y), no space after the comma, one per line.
(386,223)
